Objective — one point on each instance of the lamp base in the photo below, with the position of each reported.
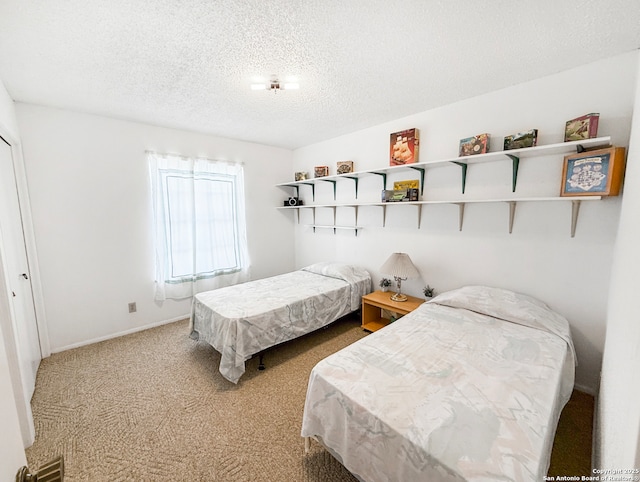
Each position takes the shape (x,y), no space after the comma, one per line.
(399,297)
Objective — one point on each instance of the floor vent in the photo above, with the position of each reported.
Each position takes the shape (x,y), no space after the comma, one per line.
(52,471)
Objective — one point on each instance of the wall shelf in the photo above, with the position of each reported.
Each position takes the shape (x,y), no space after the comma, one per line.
(334,227)
(515,155)
(512,202)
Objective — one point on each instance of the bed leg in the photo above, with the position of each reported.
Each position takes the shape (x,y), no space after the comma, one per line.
(307,445)
(261,363)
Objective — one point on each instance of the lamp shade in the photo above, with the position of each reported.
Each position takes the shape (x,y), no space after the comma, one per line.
(399,265)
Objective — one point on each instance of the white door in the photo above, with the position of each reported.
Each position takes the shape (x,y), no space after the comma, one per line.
(17,271)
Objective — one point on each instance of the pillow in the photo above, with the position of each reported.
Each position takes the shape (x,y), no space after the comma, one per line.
(334,269)
(496,302)
(509,306)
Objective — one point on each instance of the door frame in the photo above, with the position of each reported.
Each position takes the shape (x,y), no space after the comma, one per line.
(29,239)
(23,406)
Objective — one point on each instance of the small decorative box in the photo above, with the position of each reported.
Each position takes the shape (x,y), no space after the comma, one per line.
(474,145)
(521,139)
(344,167)
(583,127)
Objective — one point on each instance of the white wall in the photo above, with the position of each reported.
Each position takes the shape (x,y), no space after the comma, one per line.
(539,258)
(618,428)
(12,455)
(90,202)
(8,119)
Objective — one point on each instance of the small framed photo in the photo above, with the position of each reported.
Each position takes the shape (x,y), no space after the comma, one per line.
(301,176)
(474,145)
(344,167)
(593,173)
(321,171)
(583,127)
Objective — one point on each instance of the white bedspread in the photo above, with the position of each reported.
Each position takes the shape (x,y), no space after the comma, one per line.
(242,320)
(448,394)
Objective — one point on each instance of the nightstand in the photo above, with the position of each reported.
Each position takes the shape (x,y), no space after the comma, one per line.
(374,303)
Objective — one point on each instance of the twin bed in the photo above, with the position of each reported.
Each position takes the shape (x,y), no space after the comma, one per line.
(469,386)
(243,320)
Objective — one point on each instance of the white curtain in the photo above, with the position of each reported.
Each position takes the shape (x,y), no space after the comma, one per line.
(199,222)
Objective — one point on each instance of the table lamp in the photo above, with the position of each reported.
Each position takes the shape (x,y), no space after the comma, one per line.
(399,266)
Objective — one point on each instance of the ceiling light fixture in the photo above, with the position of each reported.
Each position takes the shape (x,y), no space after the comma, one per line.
(275,85)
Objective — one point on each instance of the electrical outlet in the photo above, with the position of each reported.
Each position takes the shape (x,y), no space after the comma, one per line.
(132,307)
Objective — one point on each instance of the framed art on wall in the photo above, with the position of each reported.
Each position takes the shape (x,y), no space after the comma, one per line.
(596,173)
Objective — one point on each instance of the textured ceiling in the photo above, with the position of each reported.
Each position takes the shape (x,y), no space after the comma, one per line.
(189,64)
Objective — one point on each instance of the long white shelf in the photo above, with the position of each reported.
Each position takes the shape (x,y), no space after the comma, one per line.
(333,226)
(512,202)
(514,154)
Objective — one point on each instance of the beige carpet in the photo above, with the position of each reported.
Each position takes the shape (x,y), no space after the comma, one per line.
(152,406)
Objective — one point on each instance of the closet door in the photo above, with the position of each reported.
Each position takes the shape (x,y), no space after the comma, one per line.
(18,277)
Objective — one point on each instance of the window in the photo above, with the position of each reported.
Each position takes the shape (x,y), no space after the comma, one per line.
(199,223)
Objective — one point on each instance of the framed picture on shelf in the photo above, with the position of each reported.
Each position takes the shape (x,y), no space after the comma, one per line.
(593,173)
(404,147)
(474,145)
(300,176)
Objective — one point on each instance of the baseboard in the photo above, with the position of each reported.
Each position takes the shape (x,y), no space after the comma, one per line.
(119,334)
(595,436)
(584,389)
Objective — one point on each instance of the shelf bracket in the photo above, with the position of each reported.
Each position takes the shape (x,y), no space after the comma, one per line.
(460,215)
(334,186)
(421,169)
(384,178)
(463,165)
(384,215)
(313,189)
(575,209)
(356,210)
(580,149)
(355,179)
(516,163)
(419,214)
(512,213)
